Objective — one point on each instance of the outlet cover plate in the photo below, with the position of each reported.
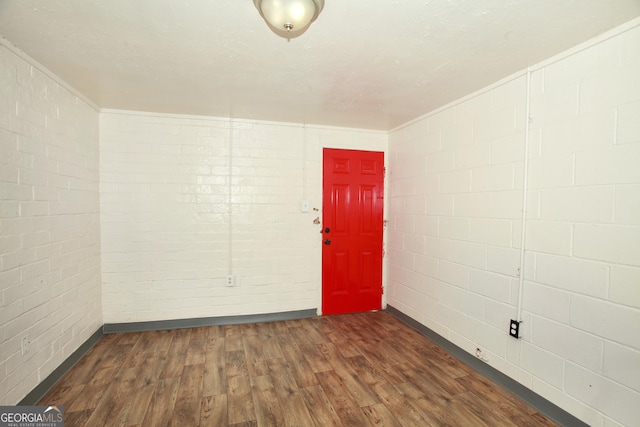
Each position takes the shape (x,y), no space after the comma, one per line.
(514,328)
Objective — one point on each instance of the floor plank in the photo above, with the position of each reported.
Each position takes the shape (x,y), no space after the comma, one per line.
(266,404)
(187,407)
(215,371)
(162,402)
(346,407)
(213,411)
(365,369)
(300,367)
(401,407)
(320,409)
(240,404)
(380,415)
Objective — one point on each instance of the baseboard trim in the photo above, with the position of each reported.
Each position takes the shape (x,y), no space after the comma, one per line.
(196,322)
(43,388)
(551,410)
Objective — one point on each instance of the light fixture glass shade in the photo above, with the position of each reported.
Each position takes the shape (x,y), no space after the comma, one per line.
(289,17)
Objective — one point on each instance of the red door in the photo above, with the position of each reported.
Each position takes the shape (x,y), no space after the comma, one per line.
(352,230)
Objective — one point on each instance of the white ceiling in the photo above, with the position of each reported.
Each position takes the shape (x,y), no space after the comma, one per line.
(364,63)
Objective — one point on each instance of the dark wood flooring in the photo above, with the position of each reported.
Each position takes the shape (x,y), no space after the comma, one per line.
(366,369)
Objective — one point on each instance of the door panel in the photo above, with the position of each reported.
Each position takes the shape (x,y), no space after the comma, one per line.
(353,200)
(367,219)
(340,210)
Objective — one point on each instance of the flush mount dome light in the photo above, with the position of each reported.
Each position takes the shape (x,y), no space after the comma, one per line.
(289,18)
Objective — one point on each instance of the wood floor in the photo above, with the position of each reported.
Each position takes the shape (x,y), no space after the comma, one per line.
(365,369)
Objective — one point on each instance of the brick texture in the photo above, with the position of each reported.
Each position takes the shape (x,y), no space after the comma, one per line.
(581,295)
(50,289)
(187,200)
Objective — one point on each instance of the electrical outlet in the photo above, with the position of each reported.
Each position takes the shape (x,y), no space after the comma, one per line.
(229,281)
(25,345)
(480,355)
(514,328)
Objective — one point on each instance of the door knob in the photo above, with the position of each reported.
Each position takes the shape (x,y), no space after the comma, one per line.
(327,242)
(326,230)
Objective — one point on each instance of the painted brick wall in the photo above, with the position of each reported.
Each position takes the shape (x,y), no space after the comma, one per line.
(457,180)
(50,288)
(169,187)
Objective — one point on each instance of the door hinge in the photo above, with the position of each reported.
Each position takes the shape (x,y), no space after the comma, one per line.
(384,171)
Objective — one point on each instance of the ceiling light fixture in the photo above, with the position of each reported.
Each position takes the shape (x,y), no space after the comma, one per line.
(289,18)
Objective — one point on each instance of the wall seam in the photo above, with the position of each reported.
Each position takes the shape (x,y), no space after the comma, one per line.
(32,62)
(536,67)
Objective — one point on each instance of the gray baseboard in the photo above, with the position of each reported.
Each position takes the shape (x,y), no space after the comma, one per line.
(551,410)
(43,388)
(196,322)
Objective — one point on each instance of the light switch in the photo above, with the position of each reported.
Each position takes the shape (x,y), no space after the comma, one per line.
(305,206)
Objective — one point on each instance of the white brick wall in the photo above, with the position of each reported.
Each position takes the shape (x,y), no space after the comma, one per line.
(50,285)
(165,200)
(581,298)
